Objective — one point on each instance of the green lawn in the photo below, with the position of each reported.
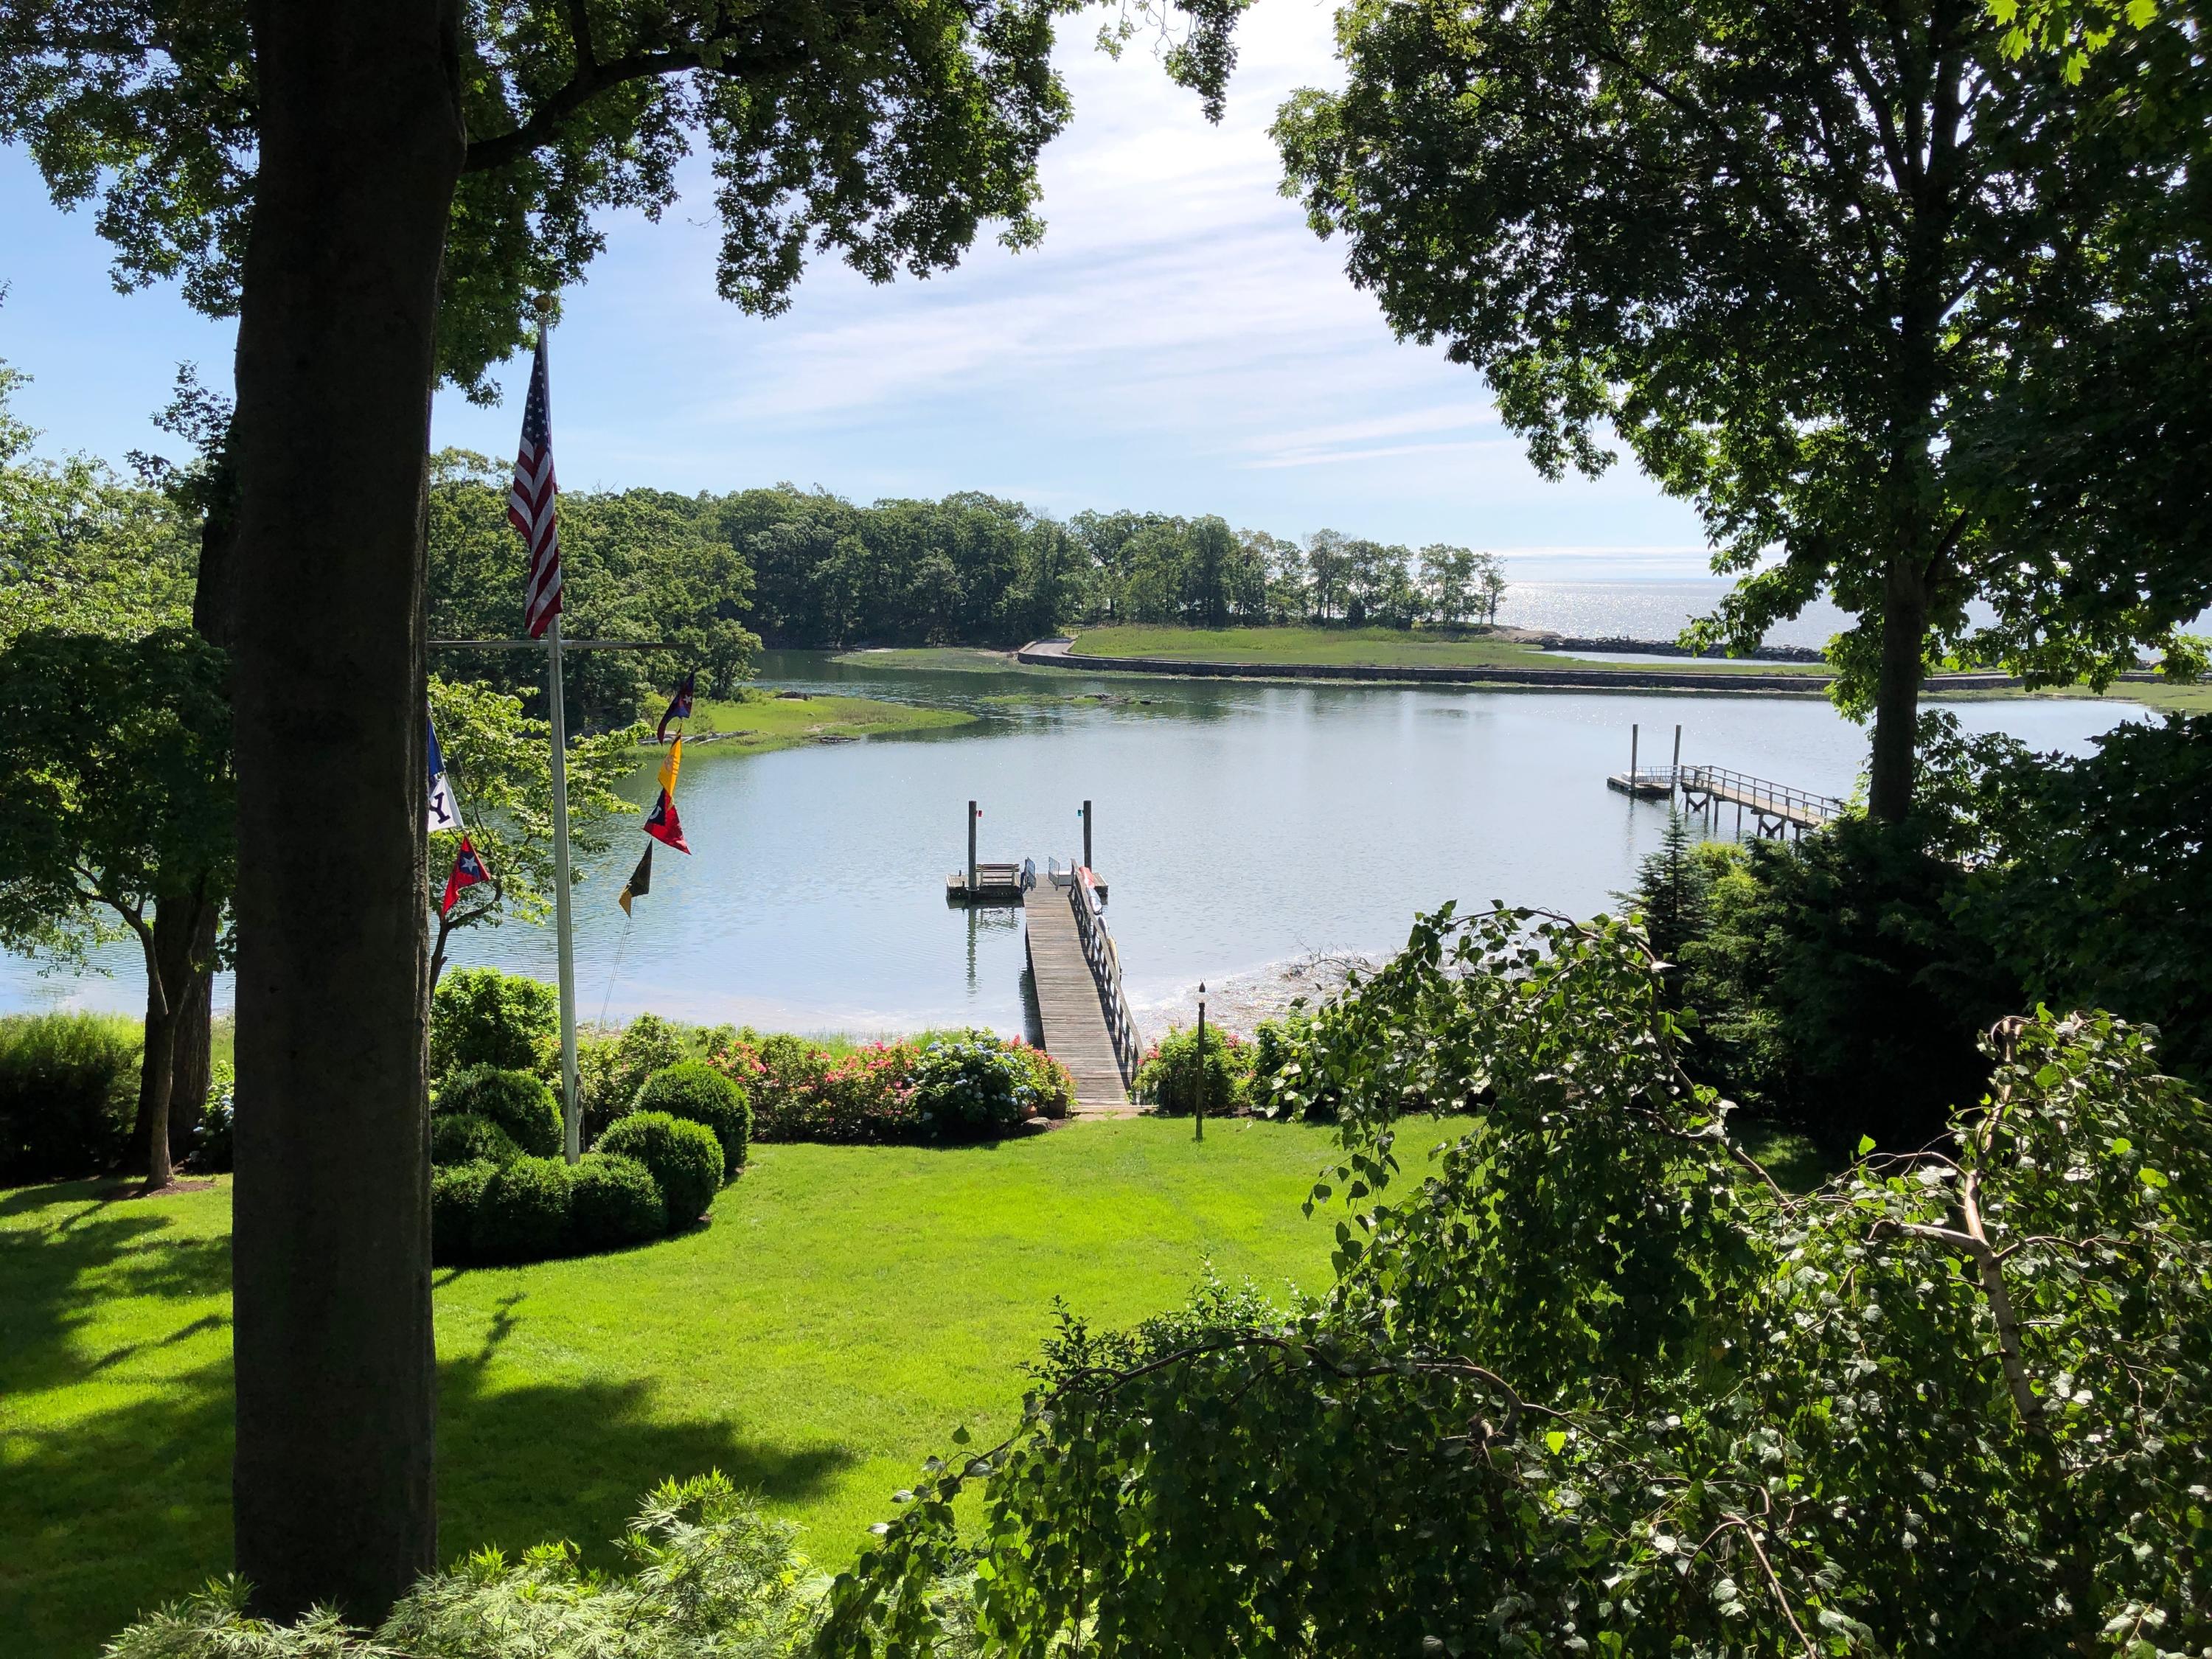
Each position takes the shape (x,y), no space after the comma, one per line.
(1378,647)
(759,724)
(846,1308)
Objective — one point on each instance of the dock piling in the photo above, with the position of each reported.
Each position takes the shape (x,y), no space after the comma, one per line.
(1632,732)
(1085,816)
(972,815)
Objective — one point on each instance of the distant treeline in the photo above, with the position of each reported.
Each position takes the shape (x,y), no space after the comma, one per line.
(806,568)
(974,569)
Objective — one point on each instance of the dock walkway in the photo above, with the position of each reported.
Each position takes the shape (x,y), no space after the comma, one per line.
(1071,1005)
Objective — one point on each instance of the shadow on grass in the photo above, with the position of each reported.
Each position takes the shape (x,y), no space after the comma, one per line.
(86,1253)
(110,1512)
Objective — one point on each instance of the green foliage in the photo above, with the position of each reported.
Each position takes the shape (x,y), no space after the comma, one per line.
(1672,887)
(705,1573)
(465,1137)
(971,1088)
(2093,875)
(1279,1088)
(524,1214)
(1918,382)
(69,1087)
(684,1158)
(519,1103)
(481,1016)
(101,818)
(1173,1073)
(892,134)
(614,1201)
(609,1071)
(81,552)
(1588,1382)
(1837,990)
(457,1193)
(695,1090)
(640,564)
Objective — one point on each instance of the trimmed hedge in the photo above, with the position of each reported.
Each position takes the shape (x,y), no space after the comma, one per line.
(524,1214)
(481,1016)
(684,1158)
(694,1090)
(465,1138)
(517,1102)
(614,1201)
(456,1192)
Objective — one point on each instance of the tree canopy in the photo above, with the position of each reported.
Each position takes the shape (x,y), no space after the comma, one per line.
(1838,277)
(891,133)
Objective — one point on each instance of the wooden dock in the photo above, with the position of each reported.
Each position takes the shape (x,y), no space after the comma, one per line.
(1080,1012)
(1775,807)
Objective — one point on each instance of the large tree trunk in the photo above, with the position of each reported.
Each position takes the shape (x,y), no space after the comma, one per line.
(360,143)
(1897,692)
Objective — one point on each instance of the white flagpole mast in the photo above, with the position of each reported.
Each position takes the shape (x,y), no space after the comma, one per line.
(556,706)
(571,1116)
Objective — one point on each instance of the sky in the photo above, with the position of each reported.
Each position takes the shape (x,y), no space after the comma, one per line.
(1180,342)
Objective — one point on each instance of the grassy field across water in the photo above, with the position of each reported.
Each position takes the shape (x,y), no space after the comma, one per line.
(762,723)
(846,1308)
(1375,647)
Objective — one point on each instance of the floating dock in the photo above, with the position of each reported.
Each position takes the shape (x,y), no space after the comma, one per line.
(994,884)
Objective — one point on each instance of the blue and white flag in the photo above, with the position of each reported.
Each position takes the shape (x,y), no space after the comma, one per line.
(444,811)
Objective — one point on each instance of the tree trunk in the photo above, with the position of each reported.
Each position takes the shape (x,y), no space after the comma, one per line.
(153,1083)
(361,141)
(1897,692)
(191,1066)
(172,1074)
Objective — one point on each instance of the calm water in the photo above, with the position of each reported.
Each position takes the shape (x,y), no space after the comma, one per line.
(1241,827)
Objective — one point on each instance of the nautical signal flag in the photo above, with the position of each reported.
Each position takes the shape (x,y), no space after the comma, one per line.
(468,870)
(444,811)
(663,825)
(670,763)
(679,709)
(640,882)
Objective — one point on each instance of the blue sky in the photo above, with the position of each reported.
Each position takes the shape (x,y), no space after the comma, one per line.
(1181,341)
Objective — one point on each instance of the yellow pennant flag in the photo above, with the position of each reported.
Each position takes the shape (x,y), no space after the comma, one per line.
(669,764)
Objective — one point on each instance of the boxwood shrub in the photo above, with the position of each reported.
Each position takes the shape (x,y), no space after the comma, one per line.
(481,1016)
(684,1158)
(519,1103)
(523,1215)
(455,1193)
(465,1138)
(697,1091)
(614,1201)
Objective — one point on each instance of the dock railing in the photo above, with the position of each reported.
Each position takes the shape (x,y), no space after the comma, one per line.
(1769,799)
(1098,949)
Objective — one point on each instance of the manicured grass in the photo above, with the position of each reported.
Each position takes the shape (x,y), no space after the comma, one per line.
(771,722)
(846,1308)
(1377,648)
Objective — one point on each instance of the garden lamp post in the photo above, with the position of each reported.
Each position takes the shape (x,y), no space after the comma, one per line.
(1198,1109)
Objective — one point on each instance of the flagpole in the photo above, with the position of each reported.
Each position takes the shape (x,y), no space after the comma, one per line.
(572,1122)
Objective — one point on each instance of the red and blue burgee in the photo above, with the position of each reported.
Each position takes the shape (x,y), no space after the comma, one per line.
(664,826)
(468,870)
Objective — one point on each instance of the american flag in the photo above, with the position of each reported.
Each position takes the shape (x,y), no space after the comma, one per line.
(530,503)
